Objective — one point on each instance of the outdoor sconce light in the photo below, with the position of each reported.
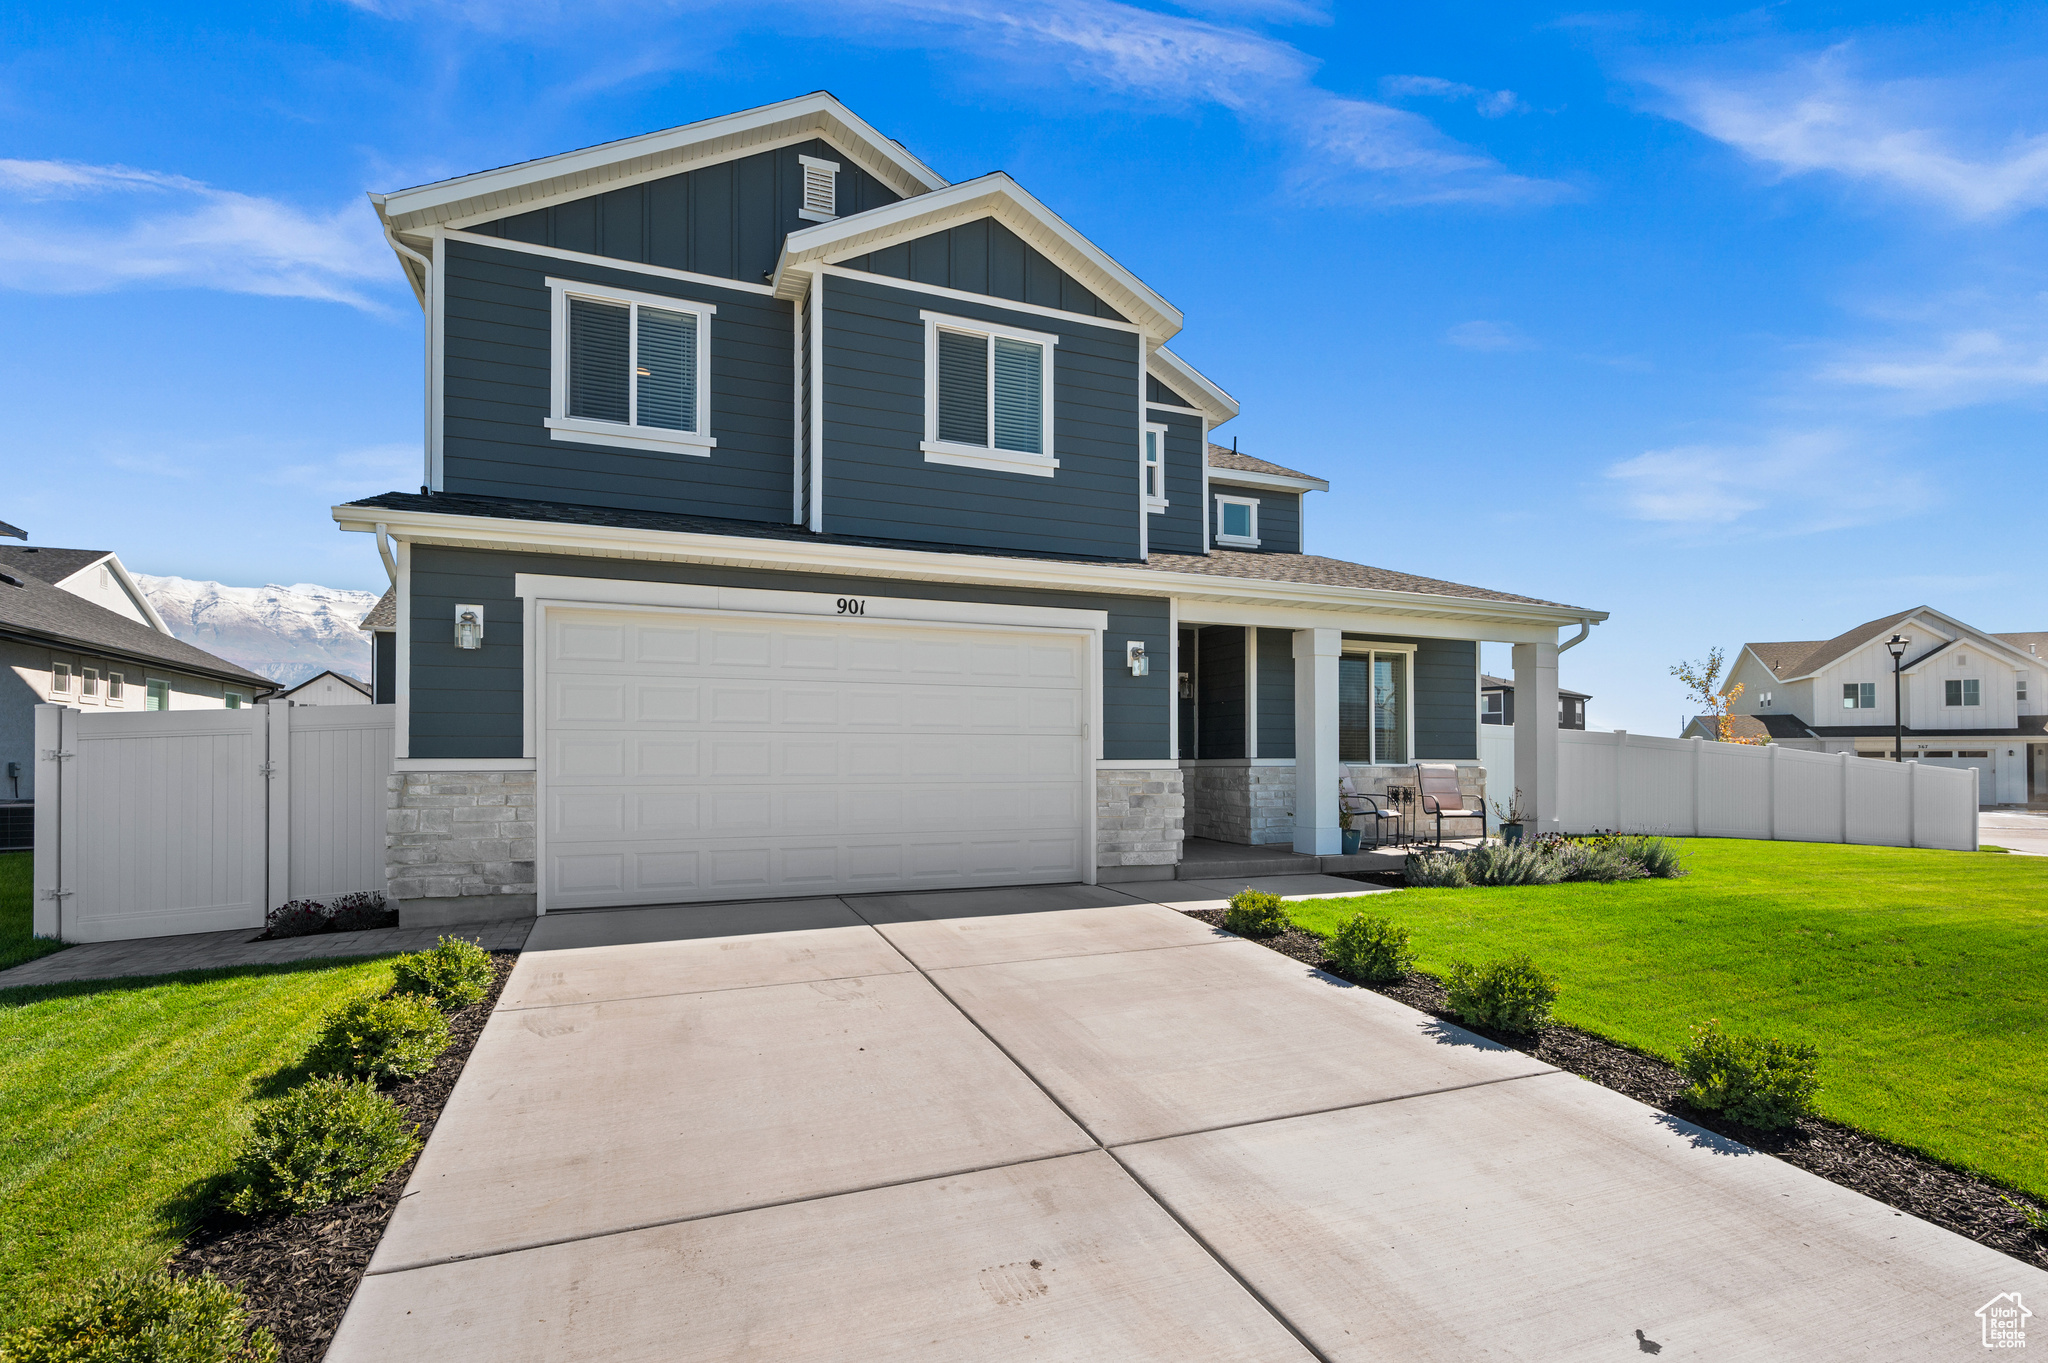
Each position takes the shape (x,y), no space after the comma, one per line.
(469,626)
(1134,654)
(1187,686)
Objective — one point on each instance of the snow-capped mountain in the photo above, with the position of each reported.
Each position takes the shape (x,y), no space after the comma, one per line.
(288,633)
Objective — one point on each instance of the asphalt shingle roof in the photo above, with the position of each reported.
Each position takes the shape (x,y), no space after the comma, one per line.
(384,615)
(51,615)
(1222,457)
(1304,569)
(47,565)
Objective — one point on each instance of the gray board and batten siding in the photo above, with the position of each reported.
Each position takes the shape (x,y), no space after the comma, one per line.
(1178,529)
(985,257)
(470,703)
(1155,391)
(878,482)
(497,385)
(727,220)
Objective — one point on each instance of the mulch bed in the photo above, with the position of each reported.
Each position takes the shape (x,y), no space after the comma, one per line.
(297,1273)
(1952,1199)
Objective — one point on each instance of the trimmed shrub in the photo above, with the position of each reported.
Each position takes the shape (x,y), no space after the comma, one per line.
(1254,913)
(297,918)
(1510,995)
(147,1317)
(360,911)
(1367,947)
(326,1141)
(1756,1080)
(398,1037)
(1658,857)
(1507,863)
(1595,861)
(453,973)
(1434,870)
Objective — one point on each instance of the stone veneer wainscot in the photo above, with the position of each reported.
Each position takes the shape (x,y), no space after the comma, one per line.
(1138,823)
(458,846)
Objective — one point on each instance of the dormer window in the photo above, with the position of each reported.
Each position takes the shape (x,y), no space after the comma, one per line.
(1154,468)
(630,369)
(821,190)
(1237,522)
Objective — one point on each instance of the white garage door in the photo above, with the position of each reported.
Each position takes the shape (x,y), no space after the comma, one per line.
(711,756)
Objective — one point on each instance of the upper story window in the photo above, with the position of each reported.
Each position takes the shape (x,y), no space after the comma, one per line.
(2020,691)
(1492,708)
(1963,692)
(1154,468)
(821,190)
(988,395)
(630,369)
(1859,695)
(1767,700)
(1237,521)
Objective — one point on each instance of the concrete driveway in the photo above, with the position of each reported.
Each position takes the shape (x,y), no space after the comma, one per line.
(1067,1123)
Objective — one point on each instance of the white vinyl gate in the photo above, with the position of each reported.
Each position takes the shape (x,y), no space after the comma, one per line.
(164,822)
(693,756)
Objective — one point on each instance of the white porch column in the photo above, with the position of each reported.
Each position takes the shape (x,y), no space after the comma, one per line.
(1315,741)
(1536,735)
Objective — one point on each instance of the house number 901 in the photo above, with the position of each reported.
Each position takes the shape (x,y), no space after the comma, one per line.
(852,605)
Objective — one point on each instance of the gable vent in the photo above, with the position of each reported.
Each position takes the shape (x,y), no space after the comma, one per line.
(821,189)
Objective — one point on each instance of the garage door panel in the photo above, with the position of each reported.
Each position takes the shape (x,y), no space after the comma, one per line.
(689,758)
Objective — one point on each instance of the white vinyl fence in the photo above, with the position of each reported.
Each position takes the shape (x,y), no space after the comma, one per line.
(173,821)
(1692,788)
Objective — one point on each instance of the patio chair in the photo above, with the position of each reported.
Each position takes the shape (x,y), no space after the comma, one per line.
(1363,806)
(1437,786)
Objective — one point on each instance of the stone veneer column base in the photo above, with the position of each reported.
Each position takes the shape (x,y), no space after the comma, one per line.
(458,847)
(1138,813)
(1241,802)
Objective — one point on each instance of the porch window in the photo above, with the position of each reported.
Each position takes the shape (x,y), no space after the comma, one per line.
(630,369)
(988,395)
(1965,692)
(1372,708)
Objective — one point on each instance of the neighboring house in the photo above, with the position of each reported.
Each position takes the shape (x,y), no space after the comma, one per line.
(381,624)
(76,630)
(327,688)
(798,522)
(1969,698)
(1497,703)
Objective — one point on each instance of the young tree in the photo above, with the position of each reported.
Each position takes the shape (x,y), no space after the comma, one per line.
(1702,680)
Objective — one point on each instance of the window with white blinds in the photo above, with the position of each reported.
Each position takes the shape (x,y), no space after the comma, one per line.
(987,395)
(630,369)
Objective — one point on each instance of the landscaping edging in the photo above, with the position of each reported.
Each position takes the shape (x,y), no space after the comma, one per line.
(1966,1203)
(297,1273)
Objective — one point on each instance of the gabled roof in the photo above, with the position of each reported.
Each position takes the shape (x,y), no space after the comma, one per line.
(50,615)
(528,185)
(1190,382)
(1788,661)
(996,196)
(1259,472)
(1489,682)
(2033,645)
(49,565)
(342,677)
(383,617)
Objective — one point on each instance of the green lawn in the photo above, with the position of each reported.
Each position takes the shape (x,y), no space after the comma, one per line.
(1921,975)
(17,903)
(119,1098)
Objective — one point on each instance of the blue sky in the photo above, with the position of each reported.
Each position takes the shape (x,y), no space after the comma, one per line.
(1730,321)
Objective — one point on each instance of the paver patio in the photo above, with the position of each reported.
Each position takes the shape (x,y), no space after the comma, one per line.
(1070,1123)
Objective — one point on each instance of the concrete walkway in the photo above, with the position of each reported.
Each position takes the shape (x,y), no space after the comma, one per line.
(213,950)
(1066,1123)
(2022,830)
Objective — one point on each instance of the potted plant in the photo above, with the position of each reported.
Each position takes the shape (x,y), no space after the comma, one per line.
(1511,818)
(1350,834)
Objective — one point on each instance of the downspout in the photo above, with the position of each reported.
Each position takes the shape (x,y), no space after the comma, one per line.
(384,552)
(1585,628)
(425,290)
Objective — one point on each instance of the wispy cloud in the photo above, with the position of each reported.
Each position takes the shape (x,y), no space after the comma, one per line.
(1821,114)
(1961,369)
(1787,483)
(1488,103)
(67,228)
(1343,147)
(1482,335)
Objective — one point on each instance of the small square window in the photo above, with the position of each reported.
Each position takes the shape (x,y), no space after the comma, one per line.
(235,700)
(1237,521)
(60,679)
(1859,695)
(1966,691)
(156,695)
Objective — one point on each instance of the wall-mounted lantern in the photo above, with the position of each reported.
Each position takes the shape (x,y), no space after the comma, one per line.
(469,626)
(1134,655)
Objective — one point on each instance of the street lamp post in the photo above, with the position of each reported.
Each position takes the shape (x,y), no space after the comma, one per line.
(1897,645)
